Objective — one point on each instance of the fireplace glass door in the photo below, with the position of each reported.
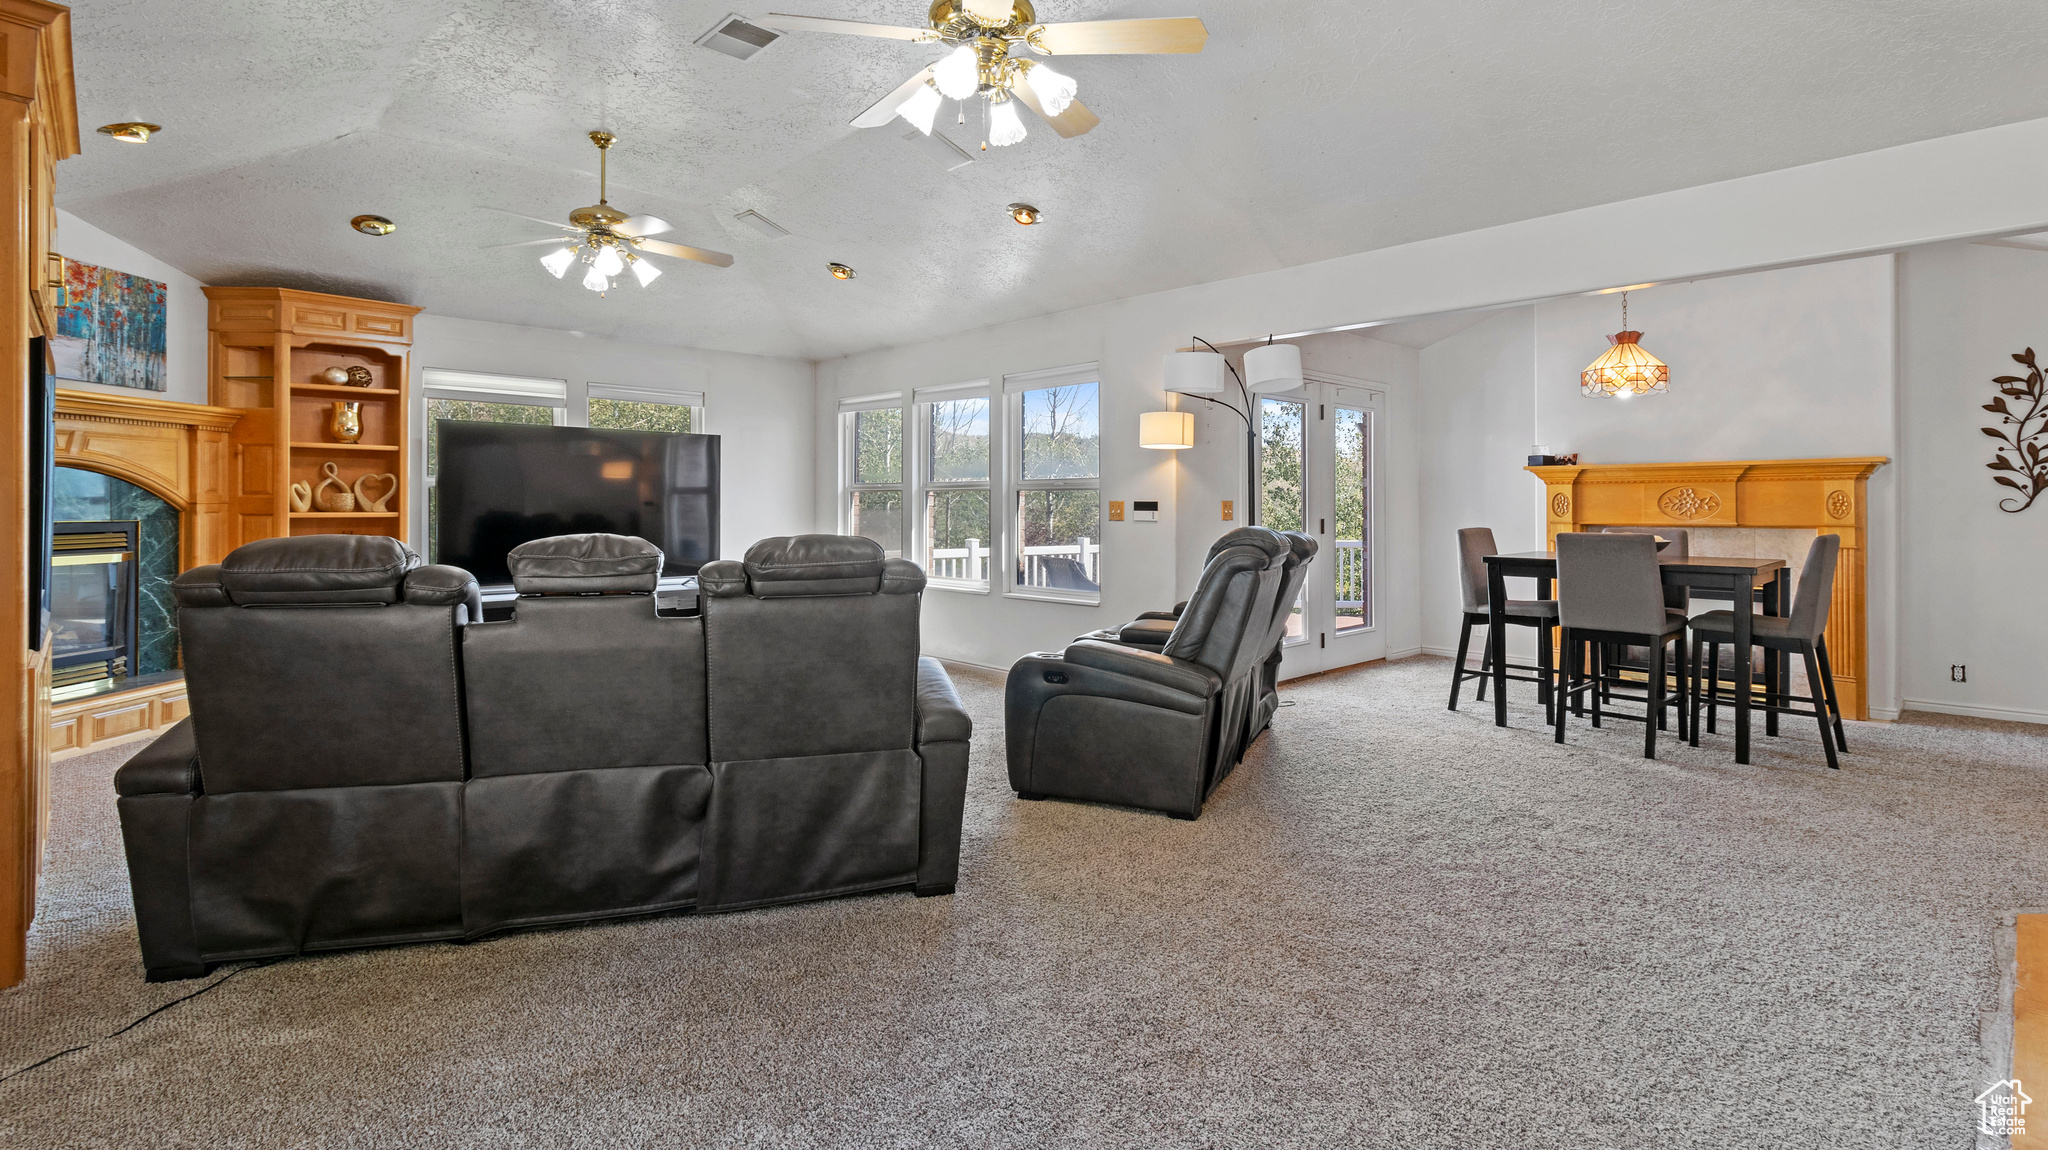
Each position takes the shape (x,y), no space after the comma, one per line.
(92,603)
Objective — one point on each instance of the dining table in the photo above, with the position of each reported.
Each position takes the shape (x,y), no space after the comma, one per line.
(1736,579)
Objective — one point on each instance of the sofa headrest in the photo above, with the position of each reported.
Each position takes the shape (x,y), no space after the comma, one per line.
(310,570)
(1264,538)
(812,565)
(439,585)
(594,564)
(1303,546)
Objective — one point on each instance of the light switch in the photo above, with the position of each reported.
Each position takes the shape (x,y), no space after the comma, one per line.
(1116,511)
(1228,514)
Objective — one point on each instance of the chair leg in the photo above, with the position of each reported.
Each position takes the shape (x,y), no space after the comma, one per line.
(1596,653)
(1458,667)
(1678,672)
(1570,675)
(1713,686)
(1820,713)
(1485,666)
(1543,689)
(1654,693)
(1693,695)
(1827,677)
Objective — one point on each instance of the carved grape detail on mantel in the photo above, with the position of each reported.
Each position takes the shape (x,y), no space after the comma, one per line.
(1839,505)
(1688,503)
(1560,505)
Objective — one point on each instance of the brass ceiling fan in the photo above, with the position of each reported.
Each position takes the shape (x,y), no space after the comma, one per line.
(609,241)
(983,34)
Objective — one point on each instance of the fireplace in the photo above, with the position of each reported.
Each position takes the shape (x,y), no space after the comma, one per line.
(94,600)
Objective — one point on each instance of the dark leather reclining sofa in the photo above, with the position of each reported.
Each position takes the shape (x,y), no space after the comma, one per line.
(1159,724)
(369,763)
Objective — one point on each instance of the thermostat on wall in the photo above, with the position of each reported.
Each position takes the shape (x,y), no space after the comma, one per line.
(1145,510)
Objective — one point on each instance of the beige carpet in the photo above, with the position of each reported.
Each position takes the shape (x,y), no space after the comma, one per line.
(1395,926)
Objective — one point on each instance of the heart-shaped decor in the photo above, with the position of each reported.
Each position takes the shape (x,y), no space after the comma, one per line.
(377,504)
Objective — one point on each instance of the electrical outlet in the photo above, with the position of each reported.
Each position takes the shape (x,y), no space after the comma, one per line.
(1958,673)
(1228,514)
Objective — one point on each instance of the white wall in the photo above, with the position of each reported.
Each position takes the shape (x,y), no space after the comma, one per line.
(761,408)
(184,308)
(1971,575)
(1478,412)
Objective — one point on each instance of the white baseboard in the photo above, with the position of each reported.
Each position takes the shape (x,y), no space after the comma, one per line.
(1879,714)
(1407,653)
(2009,714)
(1446,652)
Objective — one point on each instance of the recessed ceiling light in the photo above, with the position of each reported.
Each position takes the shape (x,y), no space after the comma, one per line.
(373,225)
(840,271)
(1024,214)
(130,133)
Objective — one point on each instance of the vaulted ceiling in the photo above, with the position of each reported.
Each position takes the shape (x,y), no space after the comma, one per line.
(1302,132)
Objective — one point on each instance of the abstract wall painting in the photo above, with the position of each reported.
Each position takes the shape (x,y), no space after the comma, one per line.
(112,331)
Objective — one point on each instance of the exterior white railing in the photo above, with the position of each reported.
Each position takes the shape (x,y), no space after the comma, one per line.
(1348,568)
(971,564)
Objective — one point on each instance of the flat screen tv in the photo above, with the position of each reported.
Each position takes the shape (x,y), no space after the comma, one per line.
(498,485)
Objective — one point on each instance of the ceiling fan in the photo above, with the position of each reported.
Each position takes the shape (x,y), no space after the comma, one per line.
(608,240)
(983,34)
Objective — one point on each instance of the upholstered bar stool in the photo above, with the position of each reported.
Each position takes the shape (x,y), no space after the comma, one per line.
(1610,593)
(1802,633)
(1474,545)
(1677,598)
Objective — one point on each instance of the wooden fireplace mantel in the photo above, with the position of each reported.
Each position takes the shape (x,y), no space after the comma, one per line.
(176,451)
(1824,495)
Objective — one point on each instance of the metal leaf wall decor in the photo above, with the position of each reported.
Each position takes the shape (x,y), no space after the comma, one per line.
(2022,458)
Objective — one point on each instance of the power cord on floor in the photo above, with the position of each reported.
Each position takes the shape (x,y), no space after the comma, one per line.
(139,1021)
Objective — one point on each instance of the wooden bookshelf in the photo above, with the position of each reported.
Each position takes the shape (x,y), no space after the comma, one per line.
(266,348)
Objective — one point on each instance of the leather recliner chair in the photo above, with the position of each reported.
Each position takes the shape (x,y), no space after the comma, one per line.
(1108,722)
(1151,629)
(327,709)
(838,756)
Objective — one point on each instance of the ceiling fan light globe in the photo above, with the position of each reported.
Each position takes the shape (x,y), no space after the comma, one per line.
(1005,126)
(557,262)
(608,263)
(959,74)
(644,271)
(921,108)
(1055,90)
(595,280)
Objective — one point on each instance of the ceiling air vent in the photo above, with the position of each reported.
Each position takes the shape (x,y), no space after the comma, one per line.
(762,224)
(737,38)
(938,149)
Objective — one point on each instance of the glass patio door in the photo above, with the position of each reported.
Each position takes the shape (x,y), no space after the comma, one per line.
(1318,461)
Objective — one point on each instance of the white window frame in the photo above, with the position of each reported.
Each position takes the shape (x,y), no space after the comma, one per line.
(849,459)
(1014,387)
(922,490)
(694,400)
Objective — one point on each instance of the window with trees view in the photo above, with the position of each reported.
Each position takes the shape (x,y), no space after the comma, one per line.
(956,538)
(638,415)
(1059,480)
(874,487)
(478,410)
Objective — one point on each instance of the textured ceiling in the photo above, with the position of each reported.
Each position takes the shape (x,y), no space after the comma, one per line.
(1303,132)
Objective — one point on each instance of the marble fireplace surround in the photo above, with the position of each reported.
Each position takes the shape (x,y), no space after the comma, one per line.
(1770,508)
(179,452)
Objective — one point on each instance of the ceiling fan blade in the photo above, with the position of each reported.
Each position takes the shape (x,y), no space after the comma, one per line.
(531,219)
(679,251)
(884,109)
(556,240)
(1076,120)
(993,12)
(644,226)
(1114,37)
(844,27)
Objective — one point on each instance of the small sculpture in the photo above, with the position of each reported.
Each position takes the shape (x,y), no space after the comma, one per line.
(340,499)
(333,375)
(347,424)
(359,376)
(364,502)
(302,496)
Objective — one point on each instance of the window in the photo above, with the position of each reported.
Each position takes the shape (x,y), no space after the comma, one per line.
(475,397)
(1057,449)
(644,409)
(955,537)
(1282,484)
(873,450)
(1352,566)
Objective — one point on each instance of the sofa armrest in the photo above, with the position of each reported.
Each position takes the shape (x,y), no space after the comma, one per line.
(940,717)
(169,765)
(1164,670)
(438,585)
(1173,614)
(1148,633)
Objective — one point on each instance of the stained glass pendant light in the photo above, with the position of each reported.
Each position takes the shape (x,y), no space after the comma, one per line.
(1625,368)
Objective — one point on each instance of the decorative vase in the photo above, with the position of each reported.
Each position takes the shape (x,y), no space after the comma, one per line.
(347,424)
(340,499)
(334,375)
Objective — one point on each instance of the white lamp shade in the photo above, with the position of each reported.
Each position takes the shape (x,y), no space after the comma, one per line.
(1166,430)
(1273,367)
(1194,372)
